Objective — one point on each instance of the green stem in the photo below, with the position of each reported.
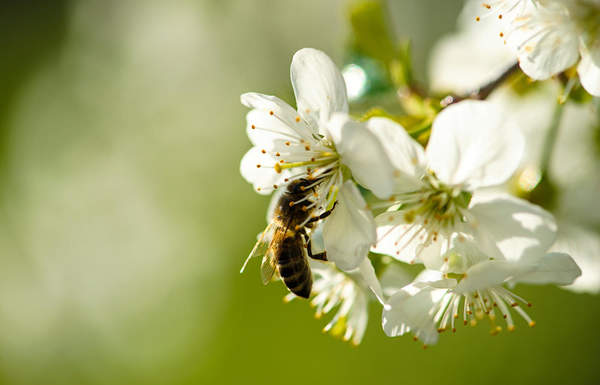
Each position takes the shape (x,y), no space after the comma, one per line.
(551,138)
(423,127)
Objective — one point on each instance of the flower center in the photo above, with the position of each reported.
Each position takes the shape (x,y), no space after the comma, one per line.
(322,158)
(435,204)
(492,303)
(432,211)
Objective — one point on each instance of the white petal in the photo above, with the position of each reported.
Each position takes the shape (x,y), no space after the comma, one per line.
(405,153)
(556,268)
(547,43)
(365,276)
(474,56)
(318,85)
(266,130)
(549,62)
(264,178)
(269,103)
(463,254)
(511,228)
(410,313)
(428,275)
(403,241)
(584,247)
(316,239)
(349,231)
(589,72)
(363,153)
(473,143)
(487,274)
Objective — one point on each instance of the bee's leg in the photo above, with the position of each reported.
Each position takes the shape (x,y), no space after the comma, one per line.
(323,215)
(320,256)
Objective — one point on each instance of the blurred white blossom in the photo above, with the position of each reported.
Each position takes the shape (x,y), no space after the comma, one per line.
(555,35)
(472,56)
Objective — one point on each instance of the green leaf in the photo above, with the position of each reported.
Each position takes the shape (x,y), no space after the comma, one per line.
(370,31)
(372,37)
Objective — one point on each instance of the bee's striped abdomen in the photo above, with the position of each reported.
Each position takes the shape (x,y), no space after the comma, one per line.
(293,266)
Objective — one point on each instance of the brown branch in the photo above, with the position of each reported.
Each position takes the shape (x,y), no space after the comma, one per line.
(484,91)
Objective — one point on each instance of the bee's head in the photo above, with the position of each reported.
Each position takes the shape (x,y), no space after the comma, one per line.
(299,186)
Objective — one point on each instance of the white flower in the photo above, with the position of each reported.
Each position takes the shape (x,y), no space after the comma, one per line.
(553,36)
(473,56)
(345,293)
(430,306)
(505,9)
(319,142)
(471,147)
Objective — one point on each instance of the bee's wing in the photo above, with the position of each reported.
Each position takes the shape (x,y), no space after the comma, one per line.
(268,267)
(260,247)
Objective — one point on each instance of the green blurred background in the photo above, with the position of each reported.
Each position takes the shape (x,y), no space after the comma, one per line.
(124,220)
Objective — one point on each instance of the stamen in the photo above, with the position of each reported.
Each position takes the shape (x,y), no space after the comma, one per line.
(299,201)
(317,162)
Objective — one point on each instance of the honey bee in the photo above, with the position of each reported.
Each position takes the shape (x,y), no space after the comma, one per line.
(290,244)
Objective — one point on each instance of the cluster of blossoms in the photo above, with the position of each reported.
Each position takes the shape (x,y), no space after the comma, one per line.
(433,206)
(553,36)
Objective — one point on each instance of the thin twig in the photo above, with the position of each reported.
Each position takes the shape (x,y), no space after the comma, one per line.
(550,140)
(484,91)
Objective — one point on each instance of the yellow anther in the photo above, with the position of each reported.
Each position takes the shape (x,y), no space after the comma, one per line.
(409,216)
